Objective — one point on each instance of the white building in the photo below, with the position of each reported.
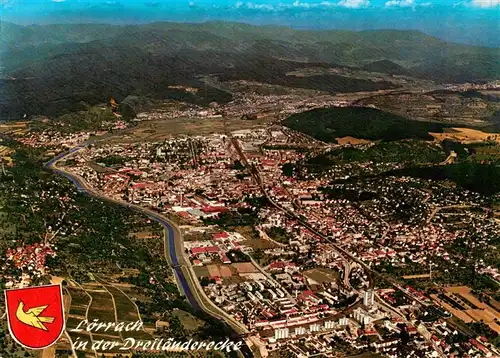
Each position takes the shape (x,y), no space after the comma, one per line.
(314,327)
(329,324)
(344,321)
(368,298)
(281,333)
(362,316)
(300,331)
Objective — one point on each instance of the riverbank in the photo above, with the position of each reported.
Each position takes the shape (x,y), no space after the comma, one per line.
(174,252)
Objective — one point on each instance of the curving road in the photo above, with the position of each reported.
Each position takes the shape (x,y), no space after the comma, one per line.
(173,246)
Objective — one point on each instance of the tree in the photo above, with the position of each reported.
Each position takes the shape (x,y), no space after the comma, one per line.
(288,169)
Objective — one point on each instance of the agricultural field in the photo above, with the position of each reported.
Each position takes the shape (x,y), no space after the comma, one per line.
(107,303)
(234,273)
(6,155)
(80,301)
(348,140)
(463,304)
(126,310)
(14,127)
(102,305)
(466,135)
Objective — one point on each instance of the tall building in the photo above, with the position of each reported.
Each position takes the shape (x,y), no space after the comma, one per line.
(329,324)
(343,321)
(368,298)
(362,316)
(314,327)
(281,333)
(300,331)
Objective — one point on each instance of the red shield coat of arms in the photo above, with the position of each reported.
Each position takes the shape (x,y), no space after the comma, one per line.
(35,315)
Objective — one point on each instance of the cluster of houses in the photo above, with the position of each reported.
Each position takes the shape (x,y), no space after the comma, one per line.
(197,178)
(29,262)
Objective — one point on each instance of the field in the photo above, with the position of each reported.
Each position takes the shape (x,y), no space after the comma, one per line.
(14,127)
(201,271)
(145,235)
(485,153)
(102,306)
(245,267)
(157,130)
(233,273)
(465,135)
(259,244)
(351,140)
(79,302)
(322,275)
(214,271)
(77,313)
(125,309)
(411,277)
(106,302)
(464,305)
(5,154)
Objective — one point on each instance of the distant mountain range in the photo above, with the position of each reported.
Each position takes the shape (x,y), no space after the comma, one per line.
(54,69)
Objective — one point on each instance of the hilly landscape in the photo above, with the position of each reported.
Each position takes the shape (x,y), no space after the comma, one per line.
(56,69)
(287,192)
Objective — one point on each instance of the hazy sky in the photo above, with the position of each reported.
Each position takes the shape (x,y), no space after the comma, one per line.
(471,21)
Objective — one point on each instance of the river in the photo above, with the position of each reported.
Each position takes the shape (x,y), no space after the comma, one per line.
(245,350)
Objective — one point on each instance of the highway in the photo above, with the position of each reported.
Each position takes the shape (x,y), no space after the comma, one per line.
(173,247)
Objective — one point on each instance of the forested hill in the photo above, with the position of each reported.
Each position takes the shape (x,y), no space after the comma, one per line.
(54,69)
(327,124)
(413,50)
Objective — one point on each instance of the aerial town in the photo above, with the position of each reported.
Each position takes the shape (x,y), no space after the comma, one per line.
(292,179)
(307,275)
